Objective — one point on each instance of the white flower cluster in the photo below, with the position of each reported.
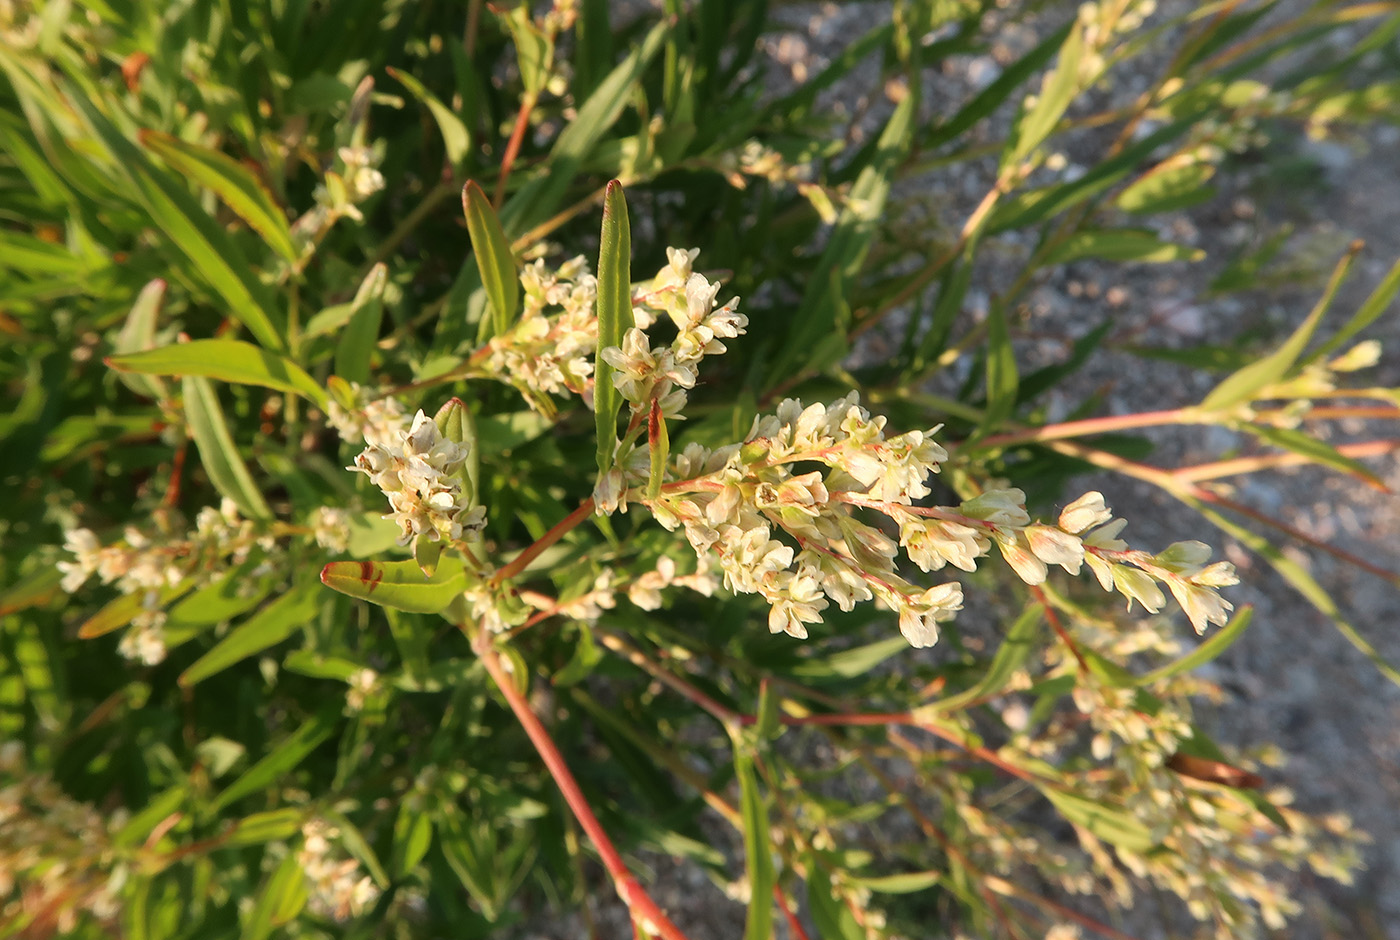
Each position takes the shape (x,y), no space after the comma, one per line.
(546,354)
(362,684)
(337,890)
(141,565)
(374,421)
(645,590)
(646,373)
(419,472)
(1087,533)
(57,851)
(551,353)
(733,501)
(739,500)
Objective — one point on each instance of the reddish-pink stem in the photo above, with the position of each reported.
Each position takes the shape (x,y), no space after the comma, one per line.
(561,528)
(638,901)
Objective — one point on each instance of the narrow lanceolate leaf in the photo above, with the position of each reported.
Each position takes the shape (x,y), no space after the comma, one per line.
(138,333)
(398,584)
(283,758)
(1012,653)
(1316,451)
(120,611)
(228,360)
(217,452)
(1121,244)
(493,258)
(355,350)
(235,185)
(1380,300)
(1003,379)
(1218,643)
(757,848)
(614,316)
(1056,92)
(268,627)
(213,255)
(1112,824)
(1243,385)
(455,137)
(280,900)
(1167,188)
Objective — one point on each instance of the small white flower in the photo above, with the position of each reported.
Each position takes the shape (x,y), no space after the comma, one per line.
(1085,513)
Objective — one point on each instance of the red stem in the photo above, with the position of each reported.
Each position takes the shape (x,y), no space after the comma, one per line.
(561,528)
(638,901)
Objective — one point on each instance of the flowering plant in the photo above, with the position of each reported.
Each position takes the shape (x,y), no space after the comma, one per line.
(374,569)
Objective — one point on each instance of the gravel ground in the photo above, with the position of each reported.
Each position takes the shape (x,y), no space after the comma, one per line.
(1292,679)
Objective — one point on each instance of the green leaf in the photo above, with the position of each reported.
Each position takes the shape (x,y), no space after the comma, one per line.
(456,139)
(493,258)
(1370,311)
(833,919)
(469,860)
(354,353)
(236,593)
(533,50)
(413,836)
(228,360)
(757,848)
(1242,386)
(1002,377)
(191,230)
(1315,451)
(282,759)
(848,664)
(216,450)
(398,584)
(281,899)
(907,883)
(119,611)
(235,185)
(1057,90)
(1112,824)
(1011,654)
(1167,188)
(614,316)
(268,627)
(1218,643)
(586,657)
(1122,244)
(38,258)
(991,97)
(276,825)
(138,333)
(1035,205)
(144,822)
